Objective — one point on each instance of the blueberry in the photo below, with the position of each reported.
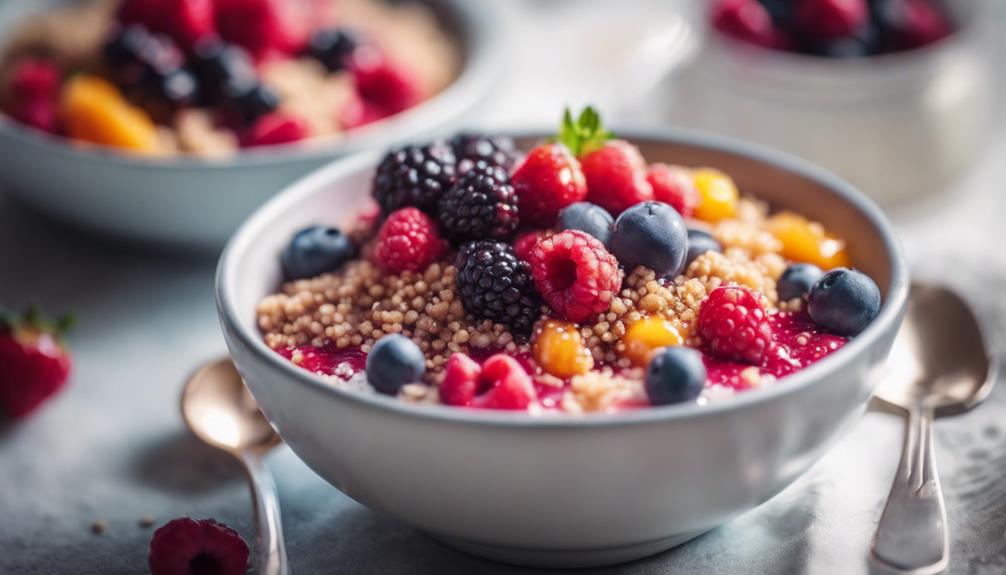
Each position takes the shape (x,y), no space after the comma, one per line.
(700,242)
(394,361)
(178,88)
(844,301)
(675,374)
(251,102)
(589,218)
(314,251)
(781,11)
(333,46)
(650,234)
(797,280)
(217,61)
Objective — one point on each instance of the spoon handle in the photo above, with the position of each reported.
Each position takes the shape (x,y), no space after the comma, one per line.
(271,549)
(912,534)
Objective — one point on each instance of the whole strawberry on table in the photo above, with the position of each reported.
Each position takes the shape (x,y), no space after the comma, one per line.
(578,277)
(34,361)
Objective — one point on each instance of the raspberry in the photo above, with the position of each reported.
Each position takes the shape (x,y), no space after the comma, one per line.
(274,129)
(673,185)
(831,19)
(734,325)
(263,27)
(500,383)
(185,21)
(525,242)
(35,78)
(408,241)
(616,176)
(547,181)
(414,176)
(185,546)
(471,148)
(35,84)
(497,286)
(481,205)
(745,20)
(575,274)
(379,81)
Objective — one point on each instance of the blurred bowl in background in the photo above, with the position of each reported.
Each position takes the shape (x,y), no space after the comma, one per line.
(195,204)
(899,126)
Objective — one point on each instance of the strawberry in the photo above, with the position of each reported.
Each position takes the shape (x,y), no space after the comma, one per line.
(34,363)
(673,185)
(264,27)
(614,169)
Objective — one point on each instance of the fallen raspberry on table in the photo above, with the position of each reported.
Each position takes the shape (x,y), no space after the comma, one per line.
(188,547)
(733,324)
(408,241)
(673,185)
(499,383)
(575,274)
(34,362)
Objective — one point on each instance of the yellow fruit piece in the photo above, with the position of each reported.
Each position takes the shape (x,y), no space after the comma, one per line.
(717,195)
(648,335)
(559,350)
(95,111)
(806,241)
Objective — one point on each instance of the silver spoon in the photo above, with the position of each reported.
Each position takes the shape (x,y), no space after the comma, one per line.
(217,407)
(940,365)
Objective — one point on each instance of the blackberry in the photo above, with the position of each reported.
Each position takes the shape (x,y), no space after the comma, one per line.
(414,176)
(495,285)
(471,148)
(481,205)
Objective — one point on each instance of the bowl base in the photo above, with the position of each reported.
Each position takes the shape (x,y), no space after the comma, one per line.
(567,558)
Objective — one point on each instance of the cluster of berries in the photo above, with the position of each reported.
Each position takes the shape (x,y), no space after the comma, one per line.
(542,244)
(834,28)
(171,54)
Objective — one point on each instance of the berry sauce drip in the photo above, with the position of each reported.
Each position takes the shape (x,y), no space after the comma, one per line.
(328,360)
(798,343)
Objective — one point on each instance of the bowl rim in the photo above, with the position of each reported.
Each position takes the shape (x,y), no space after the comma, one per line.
(480,40)
(887,319)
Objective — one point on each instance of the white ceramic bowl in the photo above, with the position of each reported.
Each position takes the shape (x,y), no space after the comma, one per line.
(565,490)
(196,204)
(898,126)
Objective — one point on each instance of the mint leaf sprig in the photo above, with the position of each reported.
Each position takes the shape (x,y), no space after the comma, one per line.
(585,134)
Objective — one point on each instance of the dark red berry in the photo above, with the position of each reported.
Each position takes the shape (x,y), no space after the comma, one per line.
(188,546)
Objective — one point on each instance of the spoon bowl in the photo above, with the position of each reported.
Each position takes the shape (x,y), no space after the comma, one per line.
(218,408)
(939,356)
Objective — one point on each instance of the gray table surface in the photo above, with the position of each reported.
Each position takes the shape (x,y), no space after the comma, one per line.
(112,447)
